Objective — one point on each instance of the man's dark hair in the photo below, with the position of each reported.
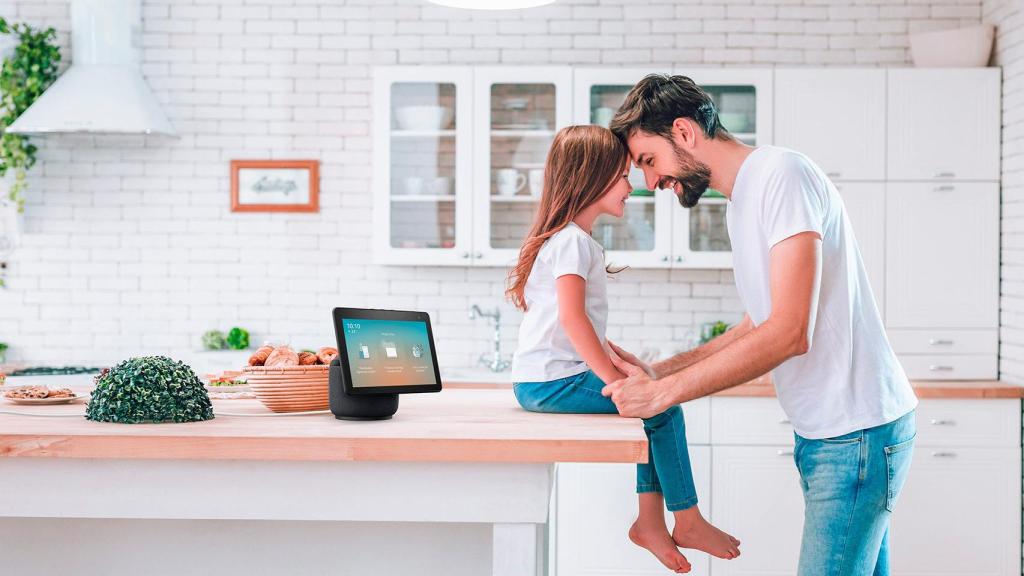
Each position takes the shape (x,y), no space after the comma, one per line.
(657,100)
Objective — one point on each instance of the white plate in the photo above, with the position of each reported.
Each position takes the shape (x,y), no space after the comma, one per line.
(66,400)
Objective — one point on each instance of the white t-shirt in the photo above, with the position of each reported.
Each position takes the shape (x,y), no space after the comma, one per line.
(850,378)
(545,352)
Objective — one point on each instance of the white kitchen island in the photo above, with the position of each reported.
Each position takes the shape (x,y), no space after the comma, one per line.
(457,483)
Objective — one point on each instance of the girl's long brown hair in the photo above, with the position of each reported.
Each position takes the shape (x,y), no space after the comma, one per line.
(583,163)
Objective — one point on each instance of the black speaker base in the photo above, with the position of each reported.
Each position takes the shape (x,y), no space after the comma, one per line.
(358,408)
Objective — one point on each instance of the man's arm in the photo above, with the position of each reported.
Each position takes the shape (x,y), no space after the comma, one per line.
(690,357)
(795,280)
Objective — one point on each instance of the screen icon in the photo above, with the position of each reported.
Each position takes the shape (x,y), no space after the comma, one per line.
(364,351)
(390,350)
(417,351)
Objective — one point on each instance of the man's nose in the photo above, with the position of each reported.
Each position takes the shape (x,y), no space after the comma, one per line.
(651,179)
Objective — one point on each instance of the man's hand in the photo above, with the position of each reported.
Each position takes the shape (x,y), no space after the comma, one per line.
(620,356)
(637,395)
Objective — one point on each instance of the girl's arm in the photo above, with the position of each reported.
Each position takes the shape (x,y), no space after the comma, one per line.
(571,290)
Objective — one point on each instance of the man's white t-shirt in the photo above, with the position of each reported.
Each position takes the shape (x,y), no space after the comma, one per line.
(850,378)
(545,352)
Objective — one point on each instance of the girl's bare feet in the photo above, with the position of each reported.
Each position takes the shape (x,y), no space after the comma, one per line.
(693,531)
(658,542)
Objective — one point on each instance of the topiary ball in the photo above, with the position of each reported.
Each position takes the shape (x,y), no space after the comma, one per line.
(149,389)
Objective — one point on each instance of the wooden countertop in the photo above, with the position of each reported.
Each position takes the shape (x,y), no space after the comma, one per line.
(924,388)
(457,425)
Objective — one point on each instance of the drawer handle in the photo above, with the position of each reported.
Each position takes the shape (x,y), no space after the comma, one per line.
(943,454)
(940,342)
(945,174)
(943,422)
(939,368)
(784,452)
(946,188)
(784,421)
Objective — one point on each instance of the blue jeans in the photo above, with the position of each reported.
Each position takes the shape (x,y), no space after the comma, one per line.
(851,483)
(668,462)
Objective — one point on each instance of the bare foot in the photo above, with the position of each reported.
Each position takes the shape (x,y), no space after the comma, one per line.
(659,543)
(693,531)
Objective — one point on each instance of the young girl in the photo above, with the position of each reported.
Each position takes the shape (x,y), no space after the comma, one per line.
(562,361)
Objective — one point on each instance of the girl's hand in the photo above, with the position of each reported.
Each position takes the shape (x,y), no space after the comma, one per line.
(620,358)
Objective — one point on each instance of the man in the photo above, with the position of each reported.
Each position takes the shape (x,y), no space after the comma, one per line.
(811,320)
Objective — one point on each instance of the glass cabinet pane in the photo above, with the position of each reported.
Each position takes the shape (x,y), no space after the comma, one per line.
(737,110)
(522,121)
(423,163)
(634,231)
(708,232)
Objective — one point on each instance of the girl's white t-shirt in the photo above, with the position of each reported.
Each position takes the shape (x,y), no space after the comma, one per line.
(545,352)
(850,378)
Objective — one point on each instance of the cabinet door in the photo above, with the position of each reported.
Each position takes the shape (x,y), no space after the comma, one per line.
(422,165)
(700,237)
(942,261)
(943,123)
(834,116)
(757,498)
(517,111)
(596,505)
(865,207)
(958,514)
(643,237)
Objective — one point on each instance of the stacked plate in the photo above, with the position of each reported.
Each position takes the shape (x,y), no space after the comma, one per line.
(289,388)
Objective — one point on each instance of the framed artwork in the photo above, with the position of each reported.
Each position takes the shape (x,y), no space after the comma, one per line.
(275,186)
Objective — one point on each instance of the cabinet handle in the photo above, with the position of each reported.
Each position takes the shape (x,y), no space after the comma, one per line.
(664,258)
(944,174)
(940,342)
(478,255)
(942,422)
(938,368)
(943,454)
(946,188)
(465,254)
(784,421)
(784,452)
(679,258)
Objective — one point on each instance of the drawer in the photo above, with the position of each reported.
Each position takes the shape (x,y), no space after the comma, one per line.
(697,415)
(937,341)
(950,366)
(752,421)
(985,423)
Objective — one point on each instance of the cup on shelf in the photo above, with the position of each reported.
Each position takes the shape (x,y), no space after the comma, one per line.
(440,186)
(603,116)
(412,185)
(510,181)
(536,180)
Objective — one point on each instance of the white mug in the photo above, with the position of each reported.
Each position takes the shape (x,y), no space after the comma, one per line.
(413,185)
(536,181)
(509,181)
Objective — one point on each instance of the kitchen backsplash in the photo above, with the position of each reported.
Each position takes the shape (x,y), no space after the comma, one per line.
(129,245)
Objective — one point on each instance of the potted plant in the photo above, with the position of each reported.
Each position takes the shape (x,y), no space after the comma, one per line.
(3,352)
(149,389)
(24,76)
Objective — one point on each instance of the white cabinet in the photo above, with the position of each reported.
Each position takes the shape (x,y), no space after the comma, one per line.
(596,505)
(943,262)
(835,116)
(516,113)
(943,123)
(959,513)
(422,165)
(865,207)
(756,497)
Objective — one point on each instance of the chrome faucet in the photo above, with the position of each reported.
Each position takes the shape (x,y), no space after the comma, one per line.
(495,363)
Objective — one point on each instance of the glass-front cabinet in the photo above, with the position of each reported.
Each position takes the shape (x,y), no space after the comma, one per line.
(459,162)
(422,165)
(671,235)
(517,112)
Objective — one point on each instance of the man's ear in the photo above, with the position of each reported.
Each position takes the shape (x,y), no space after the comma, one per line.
(684,132)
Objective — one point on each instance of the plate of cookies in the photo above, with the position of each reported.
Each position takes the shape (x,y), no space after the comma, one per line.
(40,395)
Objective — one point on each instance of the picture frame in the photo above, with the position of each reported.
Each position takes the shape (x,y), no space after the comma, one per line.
(275,186)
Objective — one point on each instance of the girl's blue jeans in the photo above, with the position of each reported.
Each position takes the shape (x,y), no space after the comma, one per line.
(668,462)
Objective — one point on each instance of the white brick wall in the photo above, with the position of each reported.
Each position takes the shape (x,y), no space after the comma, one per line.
(1008,15)
(131,247)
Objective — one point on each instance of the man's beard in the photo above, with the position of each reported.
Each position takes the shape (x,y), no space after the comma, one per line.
(694,178)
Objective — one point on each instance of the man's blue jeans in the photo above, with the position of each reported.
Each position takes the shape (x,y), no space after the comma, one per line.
(850,485)
(668,462)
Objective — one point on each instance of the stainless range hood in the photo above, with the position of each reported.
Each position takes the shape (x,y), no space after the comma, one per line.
(103,91)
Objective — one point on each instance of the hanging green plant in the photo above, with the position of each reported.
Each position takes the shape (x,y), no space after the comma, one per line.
(23,78)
